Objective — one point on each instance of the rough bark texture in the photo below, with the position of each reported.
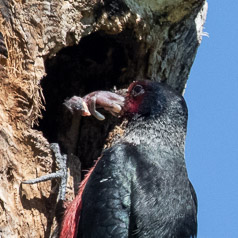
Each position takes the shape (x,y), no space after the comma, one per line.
(56,49)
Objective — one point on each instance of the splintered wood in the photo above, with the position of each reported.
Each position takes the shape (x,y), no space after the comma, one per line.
(115,134)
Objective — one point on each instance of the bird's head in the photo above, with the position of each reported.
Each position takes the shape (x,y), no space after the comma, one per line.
(148,98)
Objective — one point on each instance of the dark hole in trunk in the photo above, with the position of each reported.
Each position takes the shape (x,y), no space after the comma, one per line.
(99,62)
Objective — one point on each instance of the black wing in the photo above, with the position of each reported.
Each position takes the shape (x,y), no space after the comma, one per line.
(106,199)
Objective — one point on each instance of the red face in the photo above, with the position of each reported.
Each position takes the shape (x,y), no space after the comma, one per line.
(135,96)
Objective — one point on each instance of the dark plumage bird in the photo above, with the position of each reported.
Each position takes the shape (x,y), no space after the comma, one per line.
(140,187)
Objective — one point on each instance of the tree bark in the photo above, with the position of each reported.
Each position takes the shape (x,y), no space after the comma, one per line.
(56,49)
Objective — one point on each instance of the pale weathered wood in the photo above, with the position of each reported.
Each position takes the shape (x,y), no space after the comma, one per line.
(81,46)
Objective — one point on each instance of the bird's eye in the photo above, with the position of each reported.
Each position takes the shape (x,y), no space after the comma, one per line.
(137,90)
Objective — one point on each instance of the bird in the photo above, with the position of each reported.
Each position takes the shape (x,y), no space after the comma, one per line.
(139,187)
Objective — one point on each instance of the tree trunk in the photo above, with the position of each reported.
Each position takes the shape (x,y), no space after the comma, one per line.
(56,49)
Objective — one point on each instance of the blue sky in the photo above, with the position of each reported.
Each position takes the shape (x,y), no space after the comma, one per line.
(212,140)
